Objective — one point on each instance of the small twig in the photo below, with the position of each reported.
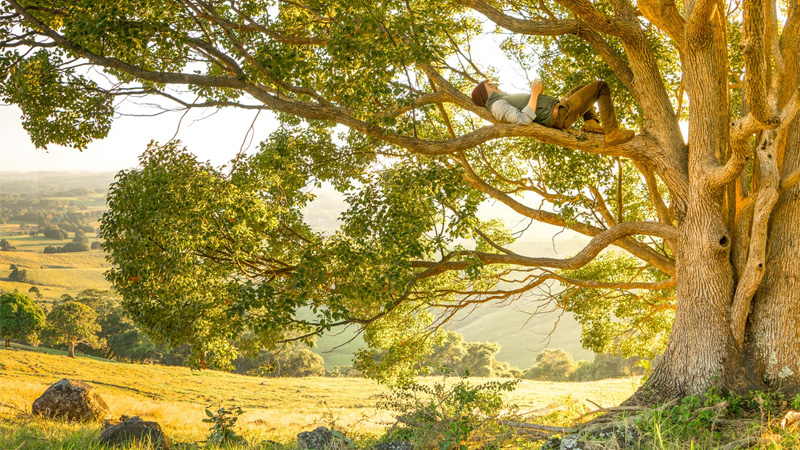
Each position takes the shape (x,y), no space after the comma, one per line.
(595,404)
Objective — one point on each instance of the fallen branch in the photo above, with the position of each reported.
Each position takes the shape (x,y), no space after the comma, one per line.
(533,426)
(745,443)
(610,409)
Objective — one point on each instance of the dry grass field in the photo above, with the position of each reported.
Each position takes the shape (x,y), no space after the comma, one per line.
(276,408)
(54,274)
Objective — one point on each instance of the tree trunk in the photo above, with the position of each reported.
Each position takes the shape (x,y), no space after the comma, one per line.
(8,342)
(701,351)
(71,349)
(774,333)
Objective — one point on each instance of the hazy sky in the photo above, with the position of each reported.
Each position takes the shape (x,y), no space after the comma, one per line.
(216,138)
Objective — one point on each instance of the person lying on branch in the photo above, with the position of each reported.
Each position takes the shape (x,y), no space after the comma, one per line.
(522,109)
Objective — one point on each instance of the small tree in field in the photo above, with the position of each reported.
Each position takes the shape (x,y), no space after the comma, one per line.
(18,275)
(35,291)
(20,317)
(73,323)
(552,365)
(5,246)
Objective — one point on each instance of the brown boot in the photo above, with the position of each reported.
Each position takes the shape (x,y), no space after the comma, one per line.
(619,136)
(593,126)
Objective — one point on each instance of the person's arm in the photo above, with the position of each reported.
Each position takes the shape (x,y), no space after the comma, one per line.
(506,112)
(536,88)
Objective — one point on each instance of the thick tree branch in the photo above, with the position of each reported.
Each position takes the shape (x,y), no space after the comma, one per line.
(595,246)
(665,15)
(749,281)
(636,248)
(740,134)
(314,111)
(754,53)
(596,19)
(700,17)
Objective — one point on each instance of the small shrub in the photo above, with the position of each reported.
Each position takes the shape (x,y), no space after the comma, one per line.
(223,420)
(446,415)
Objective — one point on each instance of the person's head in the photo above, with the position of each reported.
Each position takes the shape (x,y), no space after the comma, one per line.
(483,91)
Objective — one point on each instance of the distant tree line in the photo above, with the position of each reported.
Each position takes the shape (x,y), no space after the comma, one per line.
(79,244)
(50,215)
(452,354)
(93,322)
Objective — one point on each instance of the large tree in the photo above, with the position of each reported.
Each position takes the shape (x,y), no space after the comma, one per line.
(204,254)
(20,318)
(73,323)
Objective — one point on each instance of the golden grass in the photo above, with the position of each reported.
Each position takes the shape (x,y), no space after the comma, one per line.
(276,408)
(53,274)
(92,259)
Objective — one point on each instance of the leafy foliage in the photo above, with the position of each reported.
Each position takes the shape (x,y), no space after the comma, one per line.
(446,414)
(552,365)
(452,354)
(59,107)
(71,323)
(223,420)
(20,317)
(632,322)
(18,275)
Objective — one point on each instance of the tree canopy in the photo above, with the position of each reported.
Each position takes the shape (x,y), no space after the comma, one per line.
(73,323)
(20,318)
(371,100)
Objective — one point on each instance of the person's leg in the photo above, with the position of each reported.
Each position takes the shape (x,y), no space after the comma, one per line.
(588,115)
(580,103)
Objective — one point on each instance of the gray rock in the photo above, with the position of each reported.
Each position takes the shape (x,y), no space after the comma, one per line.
(393,445)
(315,440)
(134,429)
(71,400)
(615,436)
(554,443)
(571,442)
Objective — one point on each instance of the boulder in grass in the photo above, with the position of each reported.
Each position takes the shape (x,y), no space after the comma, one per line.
(134,429)
(71,400)
(393,445)
(315,440)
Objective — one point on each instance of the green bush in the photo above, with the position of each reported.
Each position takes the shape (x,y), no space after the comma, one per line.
(446,415)
(452,354)
(223,420)
(551,365)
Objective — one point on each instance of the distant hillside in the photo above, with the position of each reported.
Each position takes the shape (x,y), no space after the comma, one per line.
(53,182)
(521,330)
